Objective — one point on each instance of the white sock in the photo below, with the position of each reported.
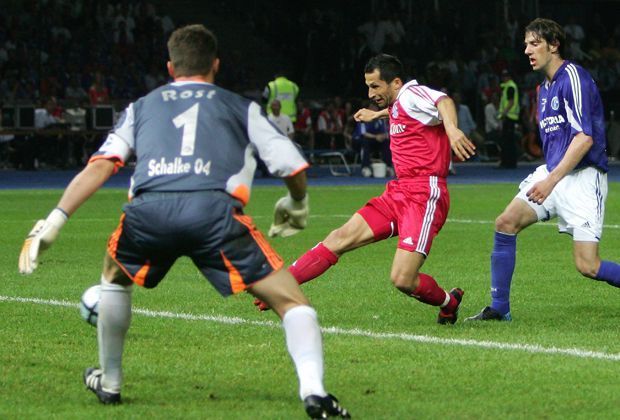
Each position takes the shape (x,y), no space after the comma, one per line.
(112,325)
(304,343)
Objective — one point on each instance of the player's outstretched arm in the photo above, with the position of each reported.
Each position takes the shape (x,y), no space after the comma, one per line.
(45,231)
(462,147)
(368,115)
(291,211)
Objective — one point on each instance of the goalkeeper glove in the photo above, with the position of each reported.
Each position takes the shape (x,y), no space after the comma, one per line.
(41,237)
(290,216)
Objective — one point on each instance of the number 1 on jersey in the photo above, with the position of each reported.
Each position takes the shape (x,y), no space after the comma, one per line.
(189,121)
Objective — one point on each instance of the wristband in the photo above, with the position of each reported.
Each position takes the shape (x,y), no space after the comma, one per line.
(303,202)
(57,217)
(63,212)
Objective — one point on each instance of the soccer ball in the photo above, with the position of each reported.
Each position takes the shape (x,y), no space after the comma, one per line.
(89,304)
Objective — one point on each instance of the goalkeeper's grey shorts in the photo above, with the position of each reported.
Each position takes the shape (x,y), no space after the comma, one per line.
(207,226)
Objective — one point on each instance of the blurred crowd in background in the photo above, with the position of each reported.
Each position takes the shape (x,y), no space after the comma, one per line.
(93,52)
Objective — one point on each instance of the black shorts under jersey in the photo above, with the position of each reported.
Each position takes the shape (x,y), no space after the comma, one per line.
(209,227)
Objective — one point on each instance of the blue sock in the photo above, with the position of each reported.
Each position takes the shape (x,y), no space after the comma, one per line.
(609,272)
(502,267)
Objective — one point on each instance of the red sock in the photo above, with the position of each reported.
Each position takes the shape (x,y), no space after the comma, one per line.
(429,292)
(313,263)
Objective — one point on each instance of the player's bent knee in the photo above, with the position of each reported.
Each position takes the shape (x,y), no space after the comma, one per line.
(113,273)
(587,268)
(339,241)
(506,224)
(403,282)
(280,291)
(351,235)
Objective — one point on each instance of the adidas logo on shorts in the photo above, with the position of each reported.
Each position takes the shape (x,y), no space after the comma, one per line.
(408,240)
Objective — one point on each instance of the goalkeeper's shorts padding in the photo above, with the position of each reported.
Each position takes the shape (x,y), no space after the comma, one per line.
(207,226)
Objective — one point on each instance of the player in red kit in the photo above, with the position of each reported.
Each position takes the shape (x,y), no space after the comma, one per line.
(423,129)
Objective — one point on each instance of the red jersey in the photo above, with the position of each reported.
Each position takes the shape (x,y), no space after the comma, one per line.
(304,119)
(418,140)
(100,96)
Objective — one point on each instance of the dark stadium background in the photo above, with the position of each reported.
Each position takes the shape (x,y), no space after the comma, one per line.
(450,45)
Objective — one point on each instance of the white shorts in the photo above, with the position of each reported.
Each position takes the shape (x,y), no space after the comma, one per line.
(578,201)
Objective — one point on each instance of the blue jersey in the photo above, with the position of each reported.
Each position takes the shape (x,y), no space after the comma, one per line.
(568,105)
(378,126)
(192,136)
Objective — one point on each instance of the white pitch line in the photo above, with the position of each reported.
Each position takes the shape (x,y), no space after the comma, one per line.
(426,339)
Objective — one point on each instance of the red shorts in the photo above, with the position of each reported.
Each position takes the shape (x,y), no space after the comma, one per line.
(415,209)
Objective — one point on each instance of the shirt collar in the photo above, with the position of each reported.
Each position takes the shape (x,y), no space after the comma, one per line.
(190,82)
(412,82)
(557,73)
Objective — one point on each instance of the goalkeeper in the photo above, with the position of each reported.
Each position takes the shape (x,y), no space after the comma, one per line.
(194,145)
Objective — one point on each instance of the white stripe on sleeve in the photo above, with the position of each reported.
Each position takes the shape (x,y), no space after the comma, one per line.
(575,84)
(121,142)
(571,117)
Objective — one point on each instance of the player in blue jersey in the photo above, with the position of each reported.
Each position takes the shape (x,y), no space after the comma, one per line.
(195,146)
(572,185)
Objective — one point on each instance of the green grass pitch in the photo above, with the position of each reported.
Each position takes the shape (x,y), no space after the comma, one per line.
(192,354)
